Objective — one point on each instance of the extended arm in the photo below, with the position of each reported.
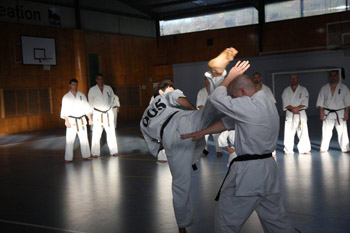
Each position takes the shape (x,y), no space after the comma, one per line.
(217,127)
(183,101)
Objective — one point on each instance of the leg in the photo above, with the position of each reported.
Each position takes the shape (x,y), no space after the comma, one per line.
(84,143)
(180,164)
(289,133)
(115,118)
(71,134)
(111,137)
(304,145)
(161,156)
(343,137)
(217,147)
(232,212)
(272,215)
(96,137)
(327,128)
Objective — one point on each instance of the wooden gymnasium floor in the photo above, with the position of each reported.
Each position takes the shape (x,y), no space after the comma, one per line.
(132,193)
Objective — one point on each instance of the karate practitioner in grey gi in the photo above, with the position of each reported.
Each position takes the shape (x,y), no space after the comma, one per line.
(252,182)
(163,122)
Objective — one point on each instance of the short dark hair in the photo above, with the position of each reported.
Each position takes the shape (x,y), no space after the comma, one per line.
(73,81)
(334,71)
(165,84)
(99,74)
(257,74)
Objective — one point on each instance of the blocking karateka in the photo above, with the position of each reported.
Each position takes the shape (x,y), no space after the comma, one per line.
(252,182)
(163,122)
(295,99)
(334,101)
(74,111)
(201,99)
(101,101)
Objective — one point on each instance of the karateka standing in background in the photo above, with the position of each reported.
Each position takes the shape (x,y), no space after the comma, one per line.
(74,110)
(334,101)
(101,101)
(295,100)
(202,97)
(257,79)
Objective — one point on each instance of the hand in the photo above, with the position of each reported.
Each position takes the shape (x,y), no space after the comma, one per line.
(238,69)
(346,117)
(230,150)
(90,122)
(67,124)
(322,116)
(295,110)
(117,109)
(195,136)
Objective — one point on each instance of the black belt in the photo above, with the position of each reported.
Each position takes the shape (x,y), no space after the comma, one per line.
(165,124)
(334,111)
(239,159)
(76,121)
(77,117)
(103,112)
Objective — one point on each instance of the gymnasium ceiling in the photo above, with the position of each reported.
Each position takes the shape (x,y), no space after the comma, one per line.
(159,9)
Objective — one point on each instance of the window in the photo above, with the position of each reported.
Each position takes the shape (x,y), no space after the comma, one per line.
(282,10)
(129,96)
(29,101)
(302,8)
(320,7)
(240,17)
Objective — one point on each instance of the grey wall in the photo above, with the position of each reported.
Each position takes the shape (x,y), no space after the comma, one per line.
(100,16)
(189,77)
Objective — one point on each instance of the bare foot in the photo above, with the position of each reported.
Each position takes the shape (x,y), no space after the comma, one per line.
(95,156)
(162,161)
(182,230)
(87,158)
(116,155)
(68,161)
(323,151)
(219,154)
(219,63)
(307,153)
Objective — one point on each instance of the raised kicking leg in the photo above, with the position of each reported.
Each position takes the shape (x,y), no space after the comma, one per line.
(219,63)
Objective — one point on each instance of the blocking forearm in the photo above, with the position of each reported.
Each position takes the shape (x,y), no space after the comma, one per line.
(217,127)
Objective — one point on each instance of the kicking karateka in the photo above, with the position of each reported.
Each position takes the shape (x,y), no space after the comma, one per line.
(334,101)
(163,122)
(101,101)
(295,99)
(252,182)
(74,110)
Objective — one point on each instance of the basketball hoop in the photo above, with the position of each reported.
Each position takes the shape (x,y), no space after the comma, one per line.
(45,62)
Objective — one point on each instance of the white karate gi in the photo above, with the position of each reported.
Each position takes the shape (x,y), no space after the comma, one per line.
(296,123)
(202,97)
(250,185)
(181,154)
(76,106)
(338,101)
(268,92)
(102,120)
(116,105)
(224,138)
